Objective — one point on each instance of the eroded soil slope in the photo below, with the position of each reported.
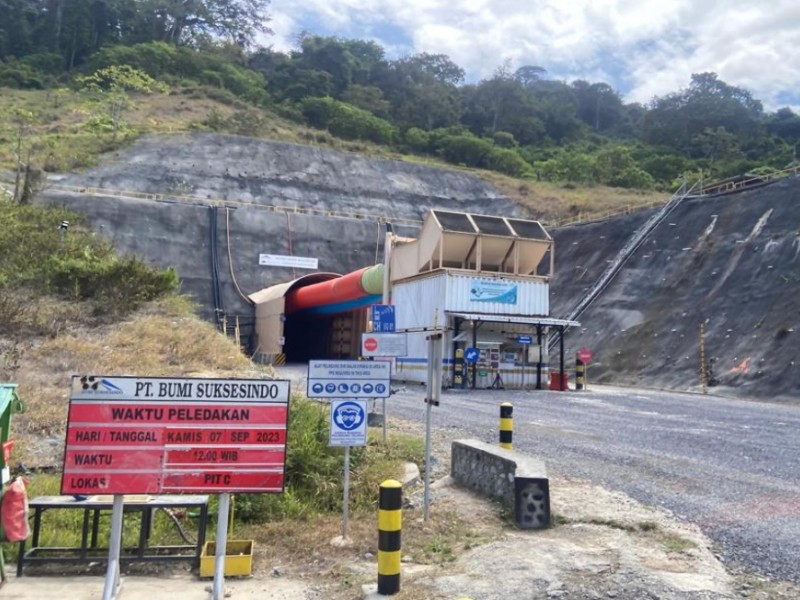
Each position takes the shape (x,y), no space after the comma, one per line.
(730,263)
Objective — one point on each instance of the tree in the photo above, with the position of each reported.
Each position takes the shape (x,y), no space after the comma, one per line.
(18,124)
(421,91)
(333,56)
(599,105)
(529,75)
(708,102)
(785,123)
(109,89)
(715,144)
(367,97)
(191,21)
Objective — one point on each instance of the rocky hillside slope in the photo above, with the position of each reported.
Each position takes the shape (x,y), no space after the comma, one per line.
(332,204)
(729,262)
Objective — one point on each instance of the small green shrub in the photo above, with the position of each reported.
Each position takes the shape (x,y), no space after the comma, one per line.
(73,264)
(417,139)
(505,160)
(346,121)
(466,149)
(504,139)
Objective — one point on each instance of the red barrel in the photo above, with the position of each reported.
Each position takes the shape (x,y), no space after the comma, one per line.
(555,381)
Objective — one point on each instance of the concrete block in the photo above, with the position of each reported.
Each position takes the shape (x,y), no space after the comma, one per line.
(519,480)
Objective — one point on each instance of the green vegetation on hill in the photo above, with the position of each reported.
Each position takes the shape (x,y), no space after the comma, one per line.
(47,252)
(517,122)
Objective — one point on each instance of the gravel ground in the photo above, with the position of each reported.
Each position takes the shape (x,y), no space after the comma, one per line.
(731,467)
(705,464)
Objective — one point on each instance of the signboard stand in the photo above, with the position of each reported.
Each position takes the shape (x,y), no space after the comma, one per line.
(346,498)
(434,386)
(112,584)
(221,542)
(202,435)
(348,428)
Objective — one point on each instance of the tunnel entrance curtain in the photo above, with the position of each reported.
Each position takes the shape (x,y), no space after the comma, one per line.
(269,326)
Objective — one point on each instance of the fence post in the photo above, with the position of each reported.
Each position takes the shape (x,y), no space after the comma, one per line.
(506,425)
(390,504)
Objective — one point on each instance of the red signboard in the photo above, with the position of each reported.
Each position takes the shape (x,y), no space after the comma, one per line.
(585,355)
(128,435)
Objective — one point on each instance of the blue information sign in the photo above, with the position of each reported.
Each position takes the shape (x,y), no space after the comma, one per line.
(383,318)
(471,355)
(524,339)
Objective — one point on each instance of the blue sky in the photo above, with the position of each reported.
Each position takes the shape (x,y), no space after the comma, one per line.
(643,48)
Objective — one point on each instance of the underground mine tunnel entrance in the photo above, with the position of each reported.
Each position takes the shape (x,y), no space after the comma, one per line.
(317,337)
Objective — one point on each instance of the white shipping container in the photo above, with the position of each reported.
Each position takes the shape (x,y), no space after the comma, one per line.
(417,301)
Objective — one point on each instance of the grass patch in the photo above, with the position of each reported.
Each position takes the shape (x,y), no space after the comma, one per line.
(675,543)
(647,526)
(439,550)
(612,523)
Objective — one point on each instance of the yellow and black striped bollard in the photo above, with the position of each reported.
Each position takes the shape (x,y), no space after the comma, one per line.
(580,374)
(506,425)
(390,520)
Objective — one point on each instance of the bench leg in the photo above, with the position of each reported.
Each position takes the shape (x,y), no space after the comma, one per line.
(21,558)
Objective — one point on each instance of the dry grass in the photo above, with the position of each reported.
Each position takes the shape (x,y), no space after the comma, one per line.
(303,549)
(163,339)
(553,203)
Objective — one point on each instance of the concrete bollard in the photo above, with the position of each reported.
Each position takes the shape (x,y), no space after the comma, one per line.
(506,425)
(390,504)
(580,374)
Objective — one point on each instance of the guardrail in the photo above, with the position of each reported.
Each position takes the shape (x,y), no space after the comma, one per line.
(606,214)
(185,199)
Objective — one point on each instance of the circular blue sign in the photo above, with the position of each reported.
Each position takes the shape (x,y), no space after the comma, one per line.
(343,387)
(471,355)
(330,388)
(380,388)
(317,388)
(367,388)
(348,416)
(355,388)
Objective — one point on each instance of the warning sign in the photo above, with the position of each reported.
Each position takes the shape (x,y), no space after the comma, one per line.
(128,435)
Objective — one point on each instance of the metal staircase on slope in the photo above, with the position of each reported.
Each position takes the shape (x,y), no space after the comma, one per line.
(627,250)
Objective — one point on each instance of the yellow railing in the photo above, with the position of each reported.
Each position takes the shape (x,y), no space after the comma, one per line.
(186,199)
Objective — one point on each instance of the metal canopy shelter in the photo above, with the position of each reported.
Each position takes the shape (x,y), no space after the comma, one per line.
(539,322)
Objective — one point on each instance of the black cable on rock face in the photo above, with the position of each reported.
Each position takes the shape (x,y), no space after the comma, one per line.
(215,285)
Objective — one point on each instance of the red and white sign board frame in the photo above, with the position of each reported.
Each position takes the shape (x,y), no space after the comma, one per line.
(143,435)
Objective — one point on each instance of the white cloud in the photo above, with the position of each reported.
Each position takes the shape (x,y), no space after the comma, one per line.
(641,47)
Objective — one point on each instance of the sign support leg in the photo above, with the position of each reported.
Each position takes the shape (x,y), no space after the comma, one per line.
(221,543)
(346,499)
(385,419)
(115,542)
(429,404)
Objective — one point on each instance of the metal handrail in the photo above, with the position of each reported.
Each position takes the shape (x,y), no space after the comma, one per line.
(291,209)
(627,250)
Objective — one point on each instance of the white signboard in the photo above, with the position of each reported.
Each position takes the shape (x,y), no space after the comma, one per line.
(279,260)
(348,379)
(348,423)
(384,344)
